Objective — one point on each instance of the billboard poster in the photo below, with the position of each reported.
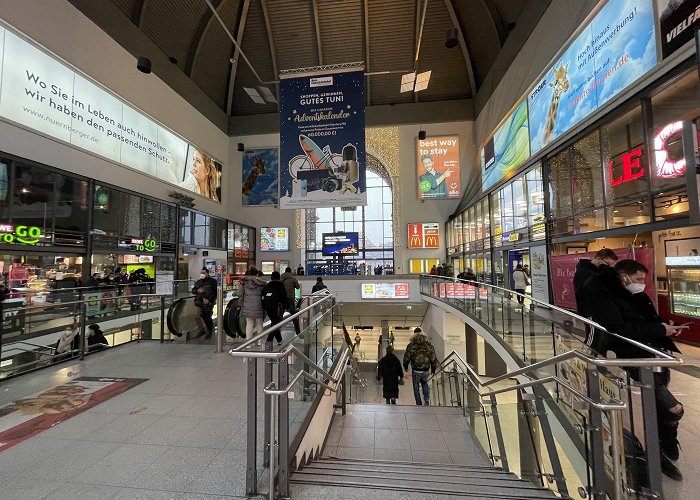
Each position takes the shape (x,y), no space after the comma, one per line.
(274,239)
(260,173)
(563,268)
(678,20)
(616,48)
(322,137)
(39,92)
(539,278)
(507,149)
(438,168)
(384,290)
(425,235)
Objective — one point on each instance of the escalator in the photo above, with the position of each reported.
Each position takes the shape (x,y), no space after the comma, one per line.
(184,322)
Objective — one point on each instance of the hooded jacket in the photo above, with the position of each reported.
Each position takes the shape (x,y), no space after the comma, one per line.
(620,312)
(389,369)
(420,353)
(290,284)
(249,297)
(585,270)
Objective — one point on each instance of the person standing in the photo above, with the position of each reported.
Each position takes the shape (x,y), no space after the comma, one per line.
(205,298)
(420,354)
(616,300)
(358,339)
(320,285)
(300,270)
(391,374)
(250,301)
(520,282)
(275,302)
(291,284)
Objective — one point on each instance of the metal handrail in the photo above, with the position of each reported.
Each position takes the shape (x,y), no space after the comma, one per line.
(587,321)
(285,321)
(467,367)
(42,307)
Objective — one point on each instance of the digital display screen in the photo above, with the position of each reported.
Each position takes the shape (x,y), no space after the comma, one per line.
(340,243)
(274,239)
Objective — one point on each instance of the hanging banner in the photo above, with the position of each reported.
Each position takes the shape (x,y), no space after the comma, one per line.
(322,137)
(564,267)
(678,20)
(260,177)
(438,168)
(616,48)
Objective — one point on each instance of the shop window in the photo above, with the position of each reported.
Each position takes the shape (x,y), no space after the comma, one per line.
(535,199)
(629,213)
(587,173)
(106,210)
(671,204)
(486,223)
(589,222)
(560,185)
(150,219)
(167,223)
(506,198)
(186,227)
(519,202)
(34,200)
(130,224)
(496,228)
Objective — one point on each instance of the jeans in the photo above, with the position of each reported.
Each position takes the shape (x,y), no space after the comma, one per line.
(421,378)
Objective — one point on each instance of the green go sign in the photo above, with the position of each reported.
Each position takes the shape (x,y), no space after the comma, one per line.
(20,235)
(141,245)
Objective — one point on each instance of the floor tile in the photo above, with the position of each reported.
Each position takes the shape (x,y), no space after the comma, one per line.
(427,441)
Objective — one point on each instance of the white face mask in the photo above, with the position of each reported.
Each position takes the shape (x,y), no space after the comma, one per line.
(202,276)
(635,288)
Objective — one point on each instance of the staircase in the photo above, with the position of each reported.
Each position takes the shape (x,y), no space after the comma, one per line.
(426,478)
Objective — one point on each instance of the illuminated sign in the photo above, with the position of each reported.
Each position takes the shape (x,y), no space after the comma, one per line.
(20,235)
(667,167)
(384,290)
(425,235)
(631,167)
(142,245)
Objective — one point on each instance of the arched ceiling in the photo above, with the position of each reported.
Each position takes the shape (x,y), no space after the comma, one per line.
(277,35)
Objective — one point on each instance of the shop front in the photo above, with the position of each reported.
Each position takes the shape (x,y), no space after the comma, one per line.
(240,251)
(202,244)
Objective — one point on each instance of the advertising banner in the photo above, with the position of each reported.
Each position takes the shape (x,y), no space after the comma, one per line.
(425,235)
(678,21)
(564,267)
(322,137)
(384,290)
(42,93)
(507,149)
(438,168)
(616,48)
(274,239)
(260,172)
(539,274)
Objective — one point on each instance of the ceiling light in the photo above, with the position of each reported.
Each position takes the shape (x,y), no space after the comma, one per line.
(254,95)
(267,95)
(143,64)
(451,38)
(422,80)
(407,82)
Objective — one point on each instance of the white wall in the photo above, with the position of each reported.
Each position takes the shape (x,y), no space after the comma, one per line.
(63,30)
(446,331)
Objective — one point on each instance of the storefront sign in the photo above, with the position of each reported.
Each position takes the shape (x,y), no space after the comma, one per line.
(631,168)
(678,20)
(426,235)
(616,48)
(138,244)
(322,138)
(42,93)
(667,167)
(507,149)
(20,235)
(438,168)
(260,177)
(384,290)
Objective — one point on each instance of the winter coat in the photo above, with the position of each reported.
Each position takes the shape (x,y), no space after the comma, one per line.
(277,287)
(391,372)
(209,285)
(585,270)
(620,312)
(420,353)
(249,297)
(520,280)
(290,284)
(320,285)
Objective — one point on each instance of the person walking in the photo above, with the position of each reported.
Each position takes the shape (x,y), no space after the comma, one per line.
(520,282)
(390,372)
(420,354)
(275,302)
(250,301)
(616,300)
(291,284)
(205,298)
(320,285)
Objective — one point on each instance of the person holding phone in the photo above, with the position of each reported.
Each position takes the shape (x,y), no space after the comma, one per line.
(616,300)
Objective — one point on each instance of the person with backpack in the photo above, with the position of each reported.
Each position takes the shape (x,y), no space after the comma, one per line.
(250,301)
(275,302)
(291,284)
(420,354)
(205,298)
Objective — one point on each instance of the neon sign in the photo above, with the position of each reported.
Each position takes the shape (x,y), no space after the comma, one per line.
(667,168)
(142,245)
(631,167)
(20,235)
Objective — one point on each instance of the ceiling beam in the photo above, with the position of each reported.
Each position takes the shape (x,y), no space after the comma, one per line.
(139,9)
(273,52)
(314,4)
(236,57)
(496,20)
(463,45)
(199,35)
(416,37)
(368,66)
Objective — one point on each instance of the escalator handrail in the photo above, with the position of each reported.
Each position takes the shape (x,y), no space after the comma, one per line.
(169,316)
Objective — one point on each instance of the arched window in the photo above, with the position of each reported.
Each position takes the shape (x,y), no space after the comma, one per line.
(373,223)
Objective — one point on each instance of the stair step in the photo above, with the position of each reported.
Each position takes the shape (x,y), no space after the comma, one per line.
(405,469)
(502,491)
(403,464)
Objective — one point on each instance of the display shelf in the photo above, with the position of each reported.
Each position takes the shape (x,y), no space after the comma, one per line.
(684,288)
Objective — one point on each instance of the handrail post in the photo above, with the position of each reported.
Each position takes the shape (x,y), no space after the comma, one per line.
(283,433)
(345,390)
(220,317)
(162,318)
(273,443)
(251,479)
(83,314)
(268,380)
(613,418)
(651,430)
(601,484)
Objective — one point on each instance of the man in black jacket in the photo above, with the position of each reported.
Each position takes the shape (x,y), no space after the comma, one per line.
(615,298)
(275,302)
(205,298)
(585,270)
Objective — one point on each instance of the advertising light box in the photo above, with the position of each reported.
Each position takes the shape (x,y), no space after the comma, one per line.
(425,235)
(340,244)
(438,168)
(506,150)
(274,239)
(385,291)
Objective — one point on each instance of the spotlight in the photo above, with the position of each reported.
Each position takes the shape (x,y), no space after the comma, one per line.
(422,135)
(451,38)
(241,146)
(143,64)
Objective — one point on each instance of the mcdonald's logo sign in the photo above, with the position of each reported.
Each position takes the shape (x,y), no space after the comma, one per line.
(425,235)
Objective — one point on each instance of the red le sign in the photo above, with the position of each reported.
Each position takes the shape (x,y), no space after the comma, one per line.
(631,167)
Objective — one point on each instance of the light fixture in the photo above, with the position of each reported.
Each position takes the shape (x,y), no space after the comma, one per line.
(422,80)
(451,37)
(407,82)
(143,64)
(267,94)
(254,95)
(261,95)
(422,134)
(241,146)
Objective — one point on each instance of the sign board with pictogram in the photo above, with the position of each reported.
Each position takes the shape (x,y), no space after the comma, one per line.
(424,235)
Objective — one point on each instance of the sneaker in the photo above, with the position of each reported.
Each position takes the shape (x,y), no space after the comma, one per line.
(671,450)
(427,403)
(670,470)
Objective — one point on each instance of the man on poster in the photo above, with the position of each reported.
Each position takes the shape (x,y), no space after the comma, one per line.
(432,182)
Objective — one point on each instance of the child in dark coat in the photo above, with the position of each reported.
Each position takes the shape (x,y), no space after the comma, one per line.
(391,372)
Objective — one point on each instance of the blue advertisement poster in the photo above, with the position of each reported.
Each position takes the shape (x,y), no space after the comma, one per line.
(322,138)
(507,149)
(260,173)
(615,49)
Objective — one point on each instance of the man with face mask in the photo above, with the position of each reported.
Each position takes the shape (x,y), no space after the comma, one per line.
(205,298)
(616,299)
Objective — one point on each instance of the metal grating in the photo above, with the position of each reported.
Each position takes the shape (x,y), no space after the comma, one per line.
(345,44)
(294,33)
